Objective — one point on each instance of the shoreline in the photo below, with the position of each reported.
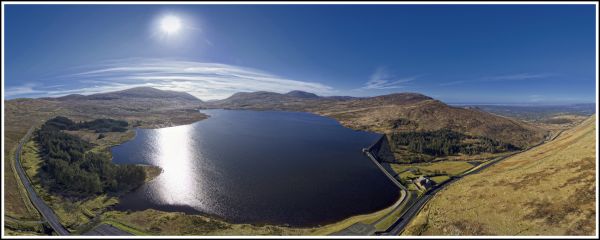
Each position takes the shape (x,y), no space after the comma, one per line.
(324,229)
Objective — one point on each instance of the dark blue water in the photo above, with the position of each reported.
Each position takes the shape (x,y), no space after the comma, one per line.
(270,167)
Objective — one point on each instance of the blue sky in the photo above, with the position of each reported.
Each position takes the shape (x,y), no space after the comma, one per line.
(455,53)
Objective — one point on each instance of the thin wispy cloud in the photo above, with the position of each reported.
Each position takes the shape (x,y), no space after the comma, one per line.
(453,83)
(23,90)
(499,78)
(536,98)
(206,81)
(382,78)
(516,77)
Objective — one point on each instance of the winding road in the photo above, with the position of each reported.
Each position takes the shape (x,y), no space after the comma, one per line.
(39,204)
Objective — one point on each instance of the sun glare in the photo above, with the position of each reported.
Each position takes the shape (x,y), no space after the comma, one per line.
(170,25)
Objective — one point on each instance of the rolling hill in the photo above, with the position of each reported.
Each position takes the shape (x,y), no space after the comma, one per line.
(548,190)
(132,93)
(153,106)
(399,112)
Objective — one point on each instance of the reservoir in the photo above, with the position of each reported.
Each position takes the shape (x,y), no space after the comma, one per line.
(271,167)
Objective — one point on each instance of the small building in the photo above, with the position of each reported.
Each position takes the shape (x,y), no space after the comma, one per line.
(424,183)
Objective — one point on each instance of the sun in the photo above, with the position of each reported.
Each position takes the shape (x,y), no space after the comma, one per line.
(170,25)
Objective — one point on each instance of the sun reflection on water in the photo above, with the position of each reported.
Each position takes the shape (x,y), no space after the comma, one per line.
(177,184)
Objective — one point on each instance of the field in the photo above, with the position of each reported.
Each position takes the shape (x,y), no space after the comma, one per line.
(548,190)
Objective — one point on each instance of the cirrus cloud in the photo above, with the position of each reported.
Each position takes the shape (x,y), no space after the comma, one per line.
(382,78)
(207,81)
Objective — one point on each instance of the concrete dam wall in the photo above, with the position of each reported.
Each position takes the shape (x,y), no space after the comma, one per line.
(383,153)
(381,149)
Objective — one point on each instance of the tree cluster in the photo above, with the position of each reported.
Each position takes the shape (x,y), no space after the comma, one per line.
(446,142)
(74,170)
(98,125)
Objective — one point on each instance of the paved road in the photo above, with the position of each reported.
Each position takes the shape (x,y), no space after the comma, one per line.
(39,204)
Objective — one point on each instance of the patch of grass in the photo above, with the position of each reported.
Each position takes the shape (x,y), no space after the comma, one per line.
(440,179)
(449,167)
(10,231)
(126,228)
(412,187)
(151,172)
(27,226)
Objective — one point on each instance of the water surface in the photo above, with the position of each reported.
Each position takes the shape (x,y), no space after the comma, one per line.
(272,167)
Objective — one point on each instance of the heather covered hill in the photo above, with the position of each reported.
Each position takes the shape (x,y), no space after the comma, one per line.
(399,112)
(548,190)
(150,106)
(144,92)
(268,100)
(132,93)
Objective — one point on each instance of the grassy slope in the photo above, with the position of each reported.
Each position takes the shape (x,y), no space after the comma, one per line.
(548,190)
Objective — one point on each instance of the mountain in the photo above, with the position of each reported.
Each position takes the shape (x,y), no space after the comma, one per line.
(133,93)
(548,190)
(71,97)
(152,107)
(302,94)
(398,112)
(266,100)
